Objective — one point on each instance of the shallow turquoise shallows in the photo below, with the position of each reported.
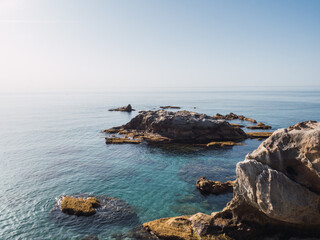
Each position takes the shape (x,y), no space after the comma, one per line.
(51,144)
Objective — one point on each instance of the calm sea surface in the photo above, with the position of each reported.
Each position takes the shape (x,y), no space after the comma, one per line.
(51,144)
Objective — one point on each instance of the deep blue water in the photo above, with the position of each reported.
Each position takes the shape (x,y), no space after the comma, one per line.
(51,144)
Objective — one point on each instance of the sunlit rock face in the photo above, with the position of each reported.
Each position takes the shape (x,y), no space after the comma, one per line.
(281,177)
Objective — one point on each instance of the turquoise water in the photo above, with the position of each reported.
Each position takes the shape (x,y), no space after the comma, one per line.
(51,144)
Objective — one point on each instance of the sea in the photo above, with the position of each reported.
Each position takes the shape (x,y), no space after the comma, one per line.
(52,144)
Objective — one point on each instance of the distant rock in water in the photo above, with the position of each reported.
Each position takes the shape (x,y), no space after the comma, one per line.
(259,135)
(276,194)
(182,127)
(232,116)
(123,109)
(215,187)
(103,211)
(170,107)
(260,125)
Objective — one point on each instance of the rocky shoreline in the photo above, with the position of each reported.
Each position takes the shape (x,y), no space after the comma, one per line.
(276,194)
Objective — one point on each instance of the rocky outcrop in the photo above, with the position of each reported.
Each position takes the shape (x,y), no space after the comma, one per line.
(259,134)
(215,187)
(181,127)
(260,125)
(232,116)
(116,140)
(170,107)
(79,206)
(123,109)
(276,194)
(223,144)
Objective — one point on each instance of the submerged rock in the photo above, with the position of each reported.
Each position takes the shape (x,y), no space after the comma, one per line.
(215,187)
(123,109)
(79,206)
(260,125)
(181,126)
(276,194)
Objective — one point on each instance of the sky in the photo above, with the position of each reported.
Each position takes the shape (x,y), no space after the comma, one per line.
(155,44)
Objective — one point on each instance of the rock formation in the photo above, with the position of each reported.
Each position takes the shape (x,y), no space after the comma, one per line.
(79,206)
(232,116)
(123,109)
(260,125)
(259,134)
(215,187)
(223,144)
(276,194)
(116,140)
(181,126)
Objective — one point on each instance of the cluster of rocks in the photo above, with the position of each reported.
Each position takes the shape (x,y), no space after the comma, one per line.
(232,116)
(276,194)
(123,109)
(179,127)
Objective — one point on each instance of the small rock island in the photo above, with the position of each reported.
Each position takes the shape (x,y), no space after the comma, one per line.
(178,127)
(123,109)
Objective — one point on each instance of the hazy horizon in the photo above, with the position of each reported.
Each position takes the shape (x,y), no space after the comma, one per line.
(141,45)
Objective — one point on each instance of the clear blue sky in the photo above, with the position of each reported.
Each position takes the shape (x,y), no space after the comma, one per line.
(140,44)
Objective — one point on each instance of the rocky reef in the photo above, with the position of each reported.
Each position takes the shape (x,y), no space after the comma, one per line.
(123,109)
(178,127)
(276,194)
(232,116)
(215,187)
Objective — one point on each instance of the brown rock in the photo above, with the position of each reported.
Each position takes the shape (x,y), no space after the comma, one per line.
(223,144)
(259,135)
(260,125)
(215,187)
(116,140)
(236,125)
(232,116)
(79,206)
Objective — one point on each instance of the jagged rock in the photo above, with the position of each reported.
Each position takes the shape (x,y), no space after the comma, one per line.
(215,187)
(123,109)
(232,116)
(281,180)
(181,126)
(276,194)
(79,206)
(260,125)
(170,107)
(259,134)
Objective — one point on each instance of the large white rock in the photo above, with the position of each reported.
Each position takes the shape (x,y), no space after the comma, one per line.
(281,177)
